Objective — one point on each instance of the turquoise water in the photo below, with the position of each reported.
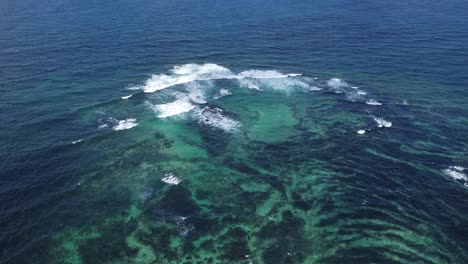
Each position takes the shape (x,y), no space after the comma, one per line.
(247,132)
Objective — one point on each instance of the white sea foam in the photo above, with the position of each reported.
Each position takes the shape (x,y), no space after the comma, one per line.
(361,93)
(125,124)
(188,73)
(382,122)
(196,91)
(170,178)
(456,172)
(126,97)
(177,107)
(336,84)
(185,74)
(77,141)
(101,126)
(214,117)
(222,92)
(361,132)
(258,74)
(280,82)
(373,102)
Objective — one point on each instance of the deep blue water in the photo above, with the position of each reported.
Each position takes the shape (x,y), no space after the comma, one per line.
(65,64)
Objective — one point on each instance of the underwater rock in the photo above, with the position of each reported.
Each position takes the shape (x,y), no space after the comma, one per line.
(178,200)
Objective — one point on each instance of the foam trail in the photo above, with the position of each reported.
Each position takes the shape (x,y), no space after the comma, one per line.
(126,97)
(125,124)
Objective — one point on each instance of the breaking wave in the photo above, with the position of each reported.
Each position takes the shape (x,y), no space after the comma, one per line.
(188,73)
(382,122)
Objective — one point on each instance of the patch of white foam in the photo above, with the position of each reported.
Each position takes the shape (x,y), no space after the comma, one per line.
(456,172)
(361,132)
(101,126)
(126,97)
(258,74)
(125,124)
(314,88)
(214,117)
(188,73)
(222,92)
(382,122)
(177,107)
(361,93)
(336,83)
(373,102)
(170,178)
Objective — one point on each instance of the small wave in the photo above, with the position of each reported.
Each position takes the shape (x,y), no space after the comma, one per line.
(382,122)
(125,124)
(456,172)
(177,107)
(373,102)
(126,97)
(361,132)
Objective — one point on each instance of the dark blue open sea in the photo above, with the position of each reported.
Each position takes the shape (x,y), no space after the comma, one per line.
(211,131)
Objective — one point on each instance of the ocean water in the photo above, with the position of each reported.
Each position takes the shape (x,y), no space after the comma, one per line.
(233,131)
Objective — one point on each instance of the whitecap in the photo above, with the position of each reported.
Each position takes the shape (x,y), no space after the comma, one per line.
(170,178)
(258,74)
(77,141)
(188,73)
(101,126)
(125,124)
(177,107)
(382,122)
(361,132)
(126,97)
(456,172)
(336,83)
(185,74)
(373,102)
